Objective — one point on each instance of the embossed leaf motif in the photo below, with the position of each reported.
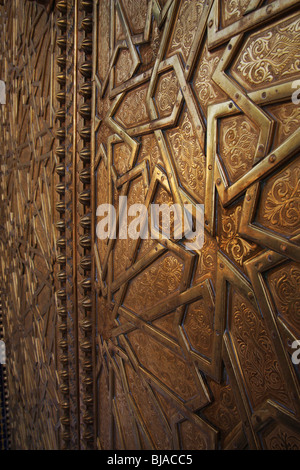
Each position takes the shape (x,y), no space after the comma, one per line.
(231,242)
(203,82)
(122,156)
(167,93)
(239,146)
(136,11)
(189,157)
(282,205)
(284,441)
(188,21)
(256,355)
(235,8)
(274,54)
(150,150)
(290,119)
(123,67)
(286,288)
(155,283)
(198,325)
(133,109)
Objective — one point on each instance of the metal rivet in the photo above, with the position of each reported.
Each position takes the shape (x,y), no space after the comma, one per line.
(210,23)
(218,181)
(261,148)
(272,158)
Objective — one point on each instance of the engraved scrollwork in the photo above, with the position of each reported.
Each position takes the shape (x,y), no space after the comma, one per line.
(150,151)
(286,289)
(189,157)
(273,54)
(256,354)
(231,242)
(290,119)
(136,11)
(282,204)
(123,67)
(238,146)
(133,110)
(203,84)
(283,440)
(187,23)
(167,91)
(235,8)
(122,155)
(198,325)
(223,412)
(157,282)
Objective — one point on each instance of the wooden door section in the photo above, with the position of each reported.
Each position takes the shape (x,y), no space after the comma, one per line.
(145,344)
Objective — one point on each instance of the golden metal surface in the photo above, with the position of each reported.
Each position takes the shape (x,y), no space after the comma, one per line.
(143,344)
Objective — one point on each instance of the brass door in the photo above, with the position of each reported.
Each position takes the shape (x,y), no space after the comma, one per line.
(144,344)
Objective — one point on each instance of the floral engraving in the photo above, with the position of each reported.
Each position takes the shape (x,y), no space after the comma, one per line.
(189,158)
(256,355)
(231,242)
(234,9)
(204,84)
(133,111)
(157,282)
(282,205)
(123,67)
(272,55)
(186,25)
(136,11)
(122,156)
(198,325)
(283,439)
(285,285)
(238,147)
(167,92)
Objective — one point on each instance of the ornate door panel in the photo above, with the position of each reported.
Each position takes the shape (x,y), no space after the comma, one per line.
(146,344)
(193,104)
(27,236)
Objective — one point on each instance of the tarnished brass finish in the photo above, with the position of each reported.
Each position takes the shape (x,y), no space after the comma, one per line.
(143,344)
(202,114)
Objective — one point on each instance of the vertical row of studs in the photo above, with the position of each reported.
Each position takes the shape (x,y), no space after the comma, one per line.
(5,418)
(63,358)
(84,209)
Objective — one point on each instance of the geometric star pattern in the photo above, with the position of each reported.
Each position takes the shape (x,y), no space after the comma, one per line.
(144,344)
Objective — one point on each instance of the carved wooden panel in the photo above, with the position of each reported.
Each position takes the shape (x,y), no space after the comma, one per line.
(145,344)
